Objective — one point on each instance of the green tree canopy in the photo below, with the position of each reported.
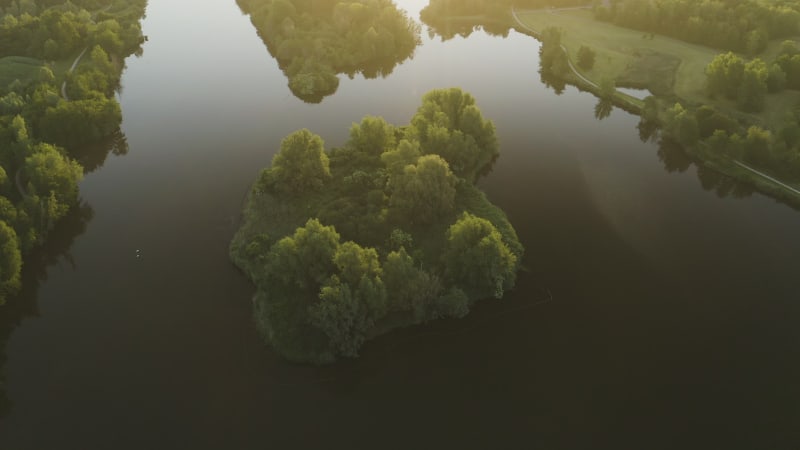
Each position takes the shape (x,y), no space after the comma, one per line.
(724,75)
(372,136)
(305,259)
(49,171)
(301,165)
(476,256)
(423,192)
(449,124)
(10,261)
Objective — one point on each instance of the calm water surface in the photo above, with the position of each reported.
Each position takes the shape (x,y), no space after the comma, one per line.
(674,322)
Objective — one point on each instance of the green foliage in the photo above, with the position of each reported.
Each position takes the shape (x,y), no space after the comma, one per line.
(74,123)
(753,88)
(724,75)
(352,300)
(354,262)
(757,146)
(406,153)
(300,166)
(776,80)
(315,41)
(341,316)
(450,124)
(477,257)
(372,136)
(738,25)
(681,126)
(552,59)
(319,298)
(709,120)
(305,259)
(49,171)
(424,192)
(10,261)
(453,304)
(399,239)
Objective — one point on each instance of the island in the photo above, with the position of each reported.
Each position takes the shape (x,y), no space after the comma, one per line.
(387,231)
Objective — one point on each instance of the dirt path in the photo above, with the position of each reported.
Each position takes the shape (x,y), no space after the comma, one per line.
(563,48)
(74,65)
(778,182)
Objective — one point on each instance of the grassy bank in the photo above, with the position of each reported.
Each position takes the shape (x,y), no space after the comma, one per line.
(19,68)
(672,70)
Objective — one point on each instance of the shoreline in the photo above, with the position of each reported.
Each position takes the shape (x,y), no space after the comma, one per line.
(753,177)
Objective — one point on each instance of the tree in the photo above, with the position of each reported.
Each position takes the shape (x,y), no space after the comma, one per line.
(476,256)
(300,166)
(354,262)
(305,259)
(776,81)
(351,301)
(51,173)
(753,87)
(78,122)
(424,192)
(372,136)
(10,261)
(586,57)
(552,58)
(407,152)
(680,125)
(450,125)
(757,145)
(724,75)
(339,315)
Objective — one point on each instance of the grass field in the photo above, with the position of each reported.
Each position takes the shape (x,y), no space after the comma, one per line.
(631,58)
(627,56)
(18,68)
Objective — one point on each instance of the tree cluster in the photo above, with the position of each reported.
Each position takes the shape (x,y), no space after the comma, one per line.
(719,135)
(738,25)
(38,127)
(746,82)
(388,231)
(315,41)
(450,18)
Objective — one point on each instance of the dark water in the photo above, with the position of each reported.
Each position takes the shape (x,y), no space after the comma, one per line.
(675,321)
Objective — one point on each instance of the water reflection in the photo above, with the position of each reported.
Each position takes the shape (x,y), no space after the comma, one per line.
(603,108)
(448,19)
(314,42)
(55,251)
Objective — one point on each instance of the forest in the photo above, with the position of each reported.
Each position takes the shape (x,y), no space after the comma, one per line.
(388,230)
(61,63)
(315,41)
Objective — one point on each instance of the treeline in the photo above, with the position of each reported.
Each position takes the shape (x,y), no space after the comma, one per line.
(717,135)
(56,30)
(384,231)
(39,128)
(450,18)
(315,41)
(737,25)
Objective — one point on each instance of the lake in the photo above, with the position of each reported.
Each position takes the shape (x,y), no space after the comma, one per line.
(674,313)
